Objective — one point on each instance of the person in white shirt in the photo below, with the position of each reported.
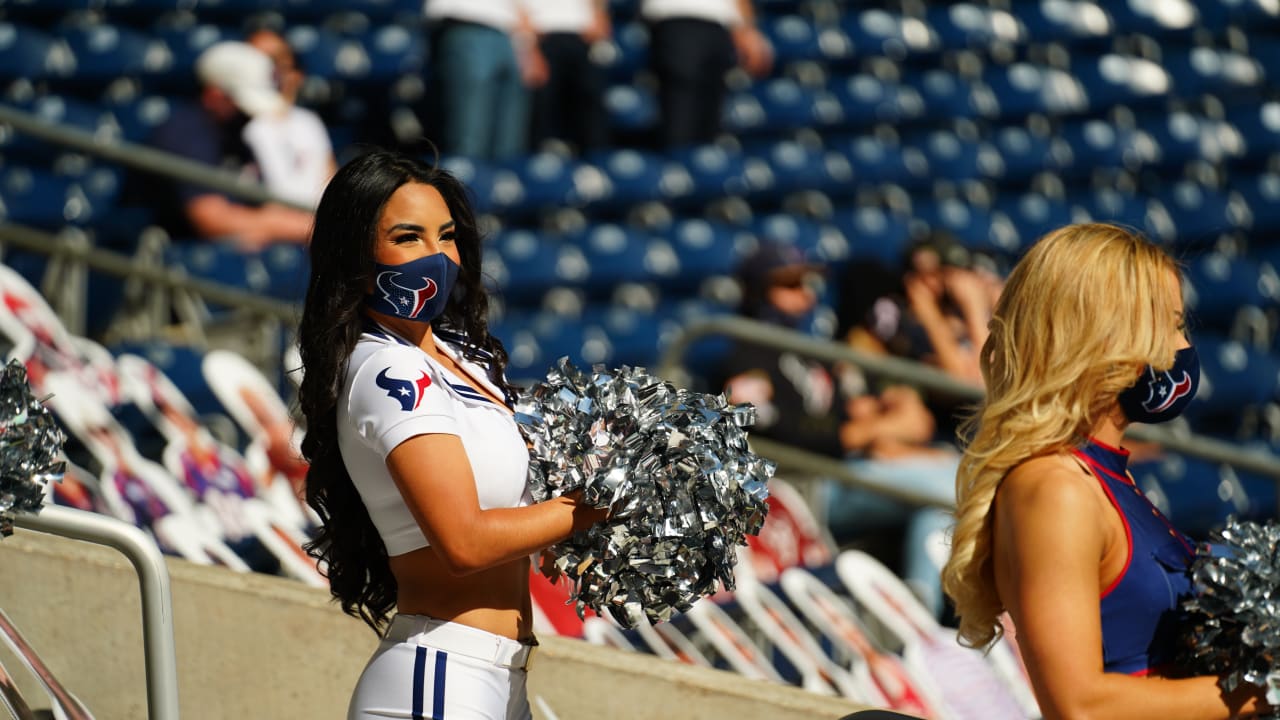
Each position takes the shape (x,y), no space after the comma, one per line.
(417,469)
(484,60)
(692,44)
(569,107)
(293,149)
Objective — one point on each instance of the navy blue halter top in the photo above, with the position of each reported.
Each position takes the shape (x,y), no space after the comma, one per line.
(1139,609)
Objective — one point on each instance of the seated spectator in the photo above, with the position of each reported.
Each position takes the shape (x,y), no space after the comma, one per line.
(569,107)
(292,149)
(236,87)
(886,436)
(938,314)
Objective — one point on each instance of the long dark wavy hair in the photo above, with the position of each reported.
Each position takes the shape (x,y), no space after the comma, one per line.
(348,545)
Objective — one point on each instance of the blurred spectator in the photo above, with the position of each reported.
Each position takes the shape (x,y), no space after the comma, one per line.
(886,437)
(293,149)
(693,43)
(484,58)
(236,86)
(570,106)
(937,314)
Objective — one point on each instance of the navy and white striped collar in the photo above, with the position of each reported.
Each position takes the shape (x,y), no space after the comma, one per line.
(448,342)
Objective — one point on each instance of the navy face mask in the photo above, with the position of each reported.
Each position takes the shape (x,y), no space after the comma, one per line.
(416,290)
(1162,396)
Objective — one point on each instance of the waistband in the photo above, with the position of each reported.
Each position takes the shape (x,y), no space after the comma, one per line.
(467,641)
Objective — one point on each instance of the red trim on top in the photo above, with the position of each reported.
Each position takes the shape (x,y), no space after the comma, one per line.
(1126,479)
(1140,673)
(1105,446)
(1128,534)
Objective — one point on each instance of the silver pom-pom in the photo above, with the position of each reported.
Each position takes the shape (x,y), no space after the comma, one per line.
(30,440)
(1233,615)
(674,467)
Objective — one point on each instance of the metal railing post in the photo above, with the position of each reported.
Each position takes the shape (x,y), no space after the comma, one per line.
(153,575)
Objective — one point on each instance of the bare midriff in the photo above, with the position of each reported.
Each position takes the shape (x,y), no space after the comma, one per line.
(495,600)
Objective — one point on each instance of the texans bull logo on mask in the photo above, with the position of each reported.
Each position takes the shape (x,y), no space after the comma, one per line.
(407,392)
(408,301)
(1164,390)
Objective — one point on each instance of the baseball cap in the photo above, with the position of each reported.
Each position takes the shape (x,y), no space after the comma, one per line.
(775,262)
(244,73)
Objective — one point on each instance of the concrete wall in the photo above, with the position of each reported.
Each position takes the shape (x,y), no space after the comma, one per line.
(252,646)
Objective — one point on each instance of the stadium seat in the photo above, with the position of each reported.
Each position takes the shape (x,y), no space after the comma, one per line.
(1032,215)
(877,32)
(951,157)
(221,263)
(1113,79)
(106,52)
(706,248)
(1261,195)
(865,100)
(1201,214)
(1024,154)
(797,166)
(1022,89)
(628,52)
(781,105)
(1259,128)
(139,116)
(946,94)
(973,226)
(28,53)
(535,263)
(1225,74)
(1183,137)
(328,55)
(874,233)
(616,254)
(883,162)
(716,172)
(1097,144)
(185,42)
(547,180)
(635,177)
(1233,376)
(1168,18)
(1078,23)
(969,26)
(631,108)
(393,50)
(818,241)
(43,199)
(1220,285)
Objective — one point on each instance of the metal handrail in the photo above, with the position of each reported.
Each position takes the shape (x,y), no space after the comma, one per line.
(157,601)
(170,278)
(670,366)
(142,157)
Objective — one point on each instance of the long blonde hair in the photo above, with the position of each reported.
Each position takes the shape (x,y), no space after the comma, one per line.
(1080,315)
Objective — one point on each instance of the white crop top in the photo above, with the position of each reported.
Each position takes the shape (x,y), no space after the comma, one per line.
(394,391)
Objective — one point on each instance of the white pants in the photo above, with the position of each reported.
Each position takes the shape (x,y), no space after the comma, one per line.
(429,669)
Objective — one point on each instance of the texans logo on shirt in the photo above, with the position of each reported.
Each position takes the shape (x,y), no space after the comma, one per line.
(409,300)
(408,392)
(1164,391)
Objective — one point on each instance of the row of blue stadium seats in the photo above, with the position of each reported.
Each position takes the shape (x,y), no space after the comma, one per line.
(1182,213)
(86,50)
(849,36)
(90,54)
(854,36)
(1011,155)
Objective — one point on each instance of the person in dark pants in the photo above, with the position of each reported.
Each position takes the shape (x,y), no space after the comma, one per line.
(692,44)
(570,106)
